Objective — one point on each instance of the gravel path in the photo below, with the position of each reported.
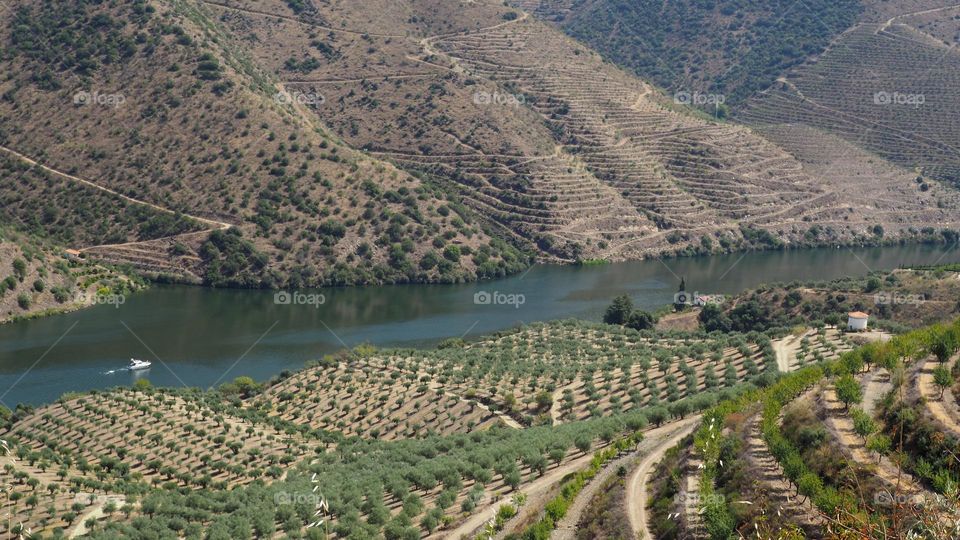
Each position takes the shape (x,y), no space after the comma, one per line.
(95,512)
(786,351)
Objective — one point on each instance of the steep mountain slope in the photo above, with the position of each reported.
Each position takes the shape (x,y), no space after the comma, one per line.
(856,69)
(153,105)
(889,87)
(540,135)
(728,47)
(277,143)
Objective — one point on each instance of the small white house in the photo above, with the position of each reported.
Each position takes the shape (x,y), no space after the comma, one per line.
(857,320)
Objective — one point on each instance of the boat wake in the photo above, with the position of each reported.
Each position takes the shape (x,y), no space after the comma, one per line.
(135,365)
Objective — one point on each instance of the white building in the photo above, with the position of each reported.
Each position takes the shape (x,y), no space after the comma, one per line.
(857,320)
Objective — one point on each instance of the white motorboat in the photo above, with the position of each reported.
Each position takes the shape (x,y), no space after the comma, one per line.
(138,364)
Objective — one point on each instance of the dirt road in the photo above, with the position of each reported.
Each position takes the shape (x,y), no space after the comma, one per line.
(533,491)
(653,451)
(786,351)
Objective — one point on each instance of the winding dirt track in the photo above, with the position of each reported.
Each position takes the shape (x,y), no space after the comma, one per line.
(533,490)
(567,528)
(72,178)
(94,513)
(656,440)
(876,384)
(840,425)
(299,20)
(636,500)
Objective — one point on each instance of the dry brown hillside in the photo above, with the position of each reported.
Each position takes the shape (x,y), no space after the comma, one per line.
(307,142)
(888,84)
(155,105)
(562,149)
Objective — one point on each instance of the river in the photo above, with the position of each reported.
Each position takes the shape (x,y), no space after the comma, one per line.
(201,337)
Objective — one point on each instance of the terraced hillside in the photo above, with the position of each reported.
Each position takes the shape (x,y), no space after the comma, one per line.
(448,445)
(885,86)
(107,448)
(288,143)
(149,110)
(816,453)
(541,374)
(565,154)
(372,399)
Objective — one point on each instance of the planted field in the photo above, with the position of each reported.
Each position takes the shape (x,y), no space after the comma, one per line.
(159,438)
(571,370)
(42,498)
(811,346)
(544,373)
(375,400)
(775,495)
(425,443)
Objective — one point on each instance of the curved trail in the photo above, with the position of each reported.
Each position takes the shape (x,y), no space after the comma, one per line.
(88,183)
(653,439)
(556,405)
(636,499)
(876,384)
(531,490)
(566,529)
(892,20)
(840,425)
(363,79)
(95,514)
